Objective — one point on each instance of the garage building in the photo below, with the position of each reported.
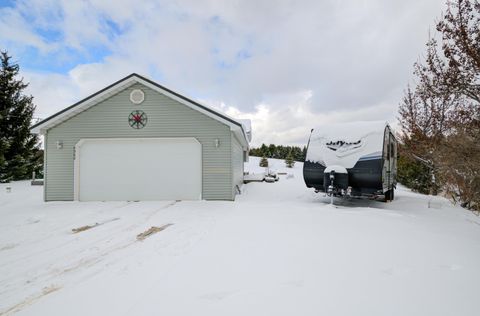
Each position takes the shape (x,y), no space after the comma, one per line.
(137,140)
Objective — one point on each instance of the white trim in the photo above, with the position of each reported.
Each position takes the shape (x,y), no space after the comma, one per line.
(76,162)
(41,129)
(45,167)
(76,169)
(233,127)
(83,106)
(184,102)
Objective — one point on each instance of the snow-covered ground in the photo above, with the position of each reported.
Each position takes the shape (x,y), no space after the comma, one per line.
(279,249)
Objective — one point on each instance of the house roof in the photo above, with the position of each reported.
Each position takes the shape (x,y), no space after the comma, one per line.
(41,127)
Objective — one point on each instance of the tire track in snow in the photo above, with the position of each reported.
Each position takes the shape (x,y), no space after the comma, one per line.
(94,242)
(55,248)
(53,273)
(29,300)
(53,233)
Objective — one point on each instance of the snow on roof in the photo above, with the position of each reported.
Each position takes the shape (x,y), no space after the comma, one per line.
(247,123)
(348,132)
(345,143)
(247,126)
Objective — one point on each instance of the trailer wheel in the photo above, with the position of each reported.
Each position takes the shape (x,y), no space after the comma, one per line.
(389,195)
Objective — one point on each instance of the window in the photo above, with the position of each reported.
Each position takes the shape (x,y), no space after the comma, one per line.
(392,147)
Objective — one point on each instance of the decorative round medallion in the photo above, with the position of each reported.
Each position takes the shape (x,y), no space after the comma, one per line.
(137,96)
(137,119)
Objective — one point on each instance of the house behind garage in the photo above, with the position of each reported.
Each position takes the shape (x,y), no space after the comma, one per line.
(137,140)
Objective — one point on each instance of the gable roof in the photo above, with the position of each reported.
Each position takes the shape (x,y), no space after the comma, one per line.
(41,127)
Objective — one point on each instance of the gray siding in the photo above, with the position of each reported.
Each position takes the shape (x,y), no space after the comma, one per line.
(237,163)
(166,118)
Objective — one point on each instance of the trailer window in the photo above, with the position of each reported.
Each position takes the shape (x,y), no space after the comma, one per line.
(392,146)
(386,144)
(388,151)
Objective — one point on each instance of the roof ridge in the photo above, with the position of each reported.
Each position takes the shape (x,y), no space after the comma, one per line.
(150,81)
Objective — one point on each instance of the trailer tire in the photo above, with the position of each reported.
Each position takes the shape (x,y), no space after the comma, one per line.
(389,195)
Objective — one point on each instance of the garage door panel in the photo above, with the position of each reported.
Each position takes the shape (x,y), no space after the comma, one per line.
(139,169)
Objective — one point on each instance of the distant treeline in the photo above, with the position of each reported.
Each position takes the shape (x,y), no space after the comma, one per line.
(279,152)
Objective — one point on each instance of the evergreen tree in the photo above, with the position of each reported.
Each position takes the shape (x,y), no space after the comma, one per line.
(289,160)
(414,173)
(279,152)
(272,150)
(264,151)
(18,147)
(264,162)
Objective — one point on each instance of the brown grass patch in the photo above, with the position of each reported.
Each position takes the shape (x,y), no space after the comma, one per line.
(87,227)
(152,230)
(84,228)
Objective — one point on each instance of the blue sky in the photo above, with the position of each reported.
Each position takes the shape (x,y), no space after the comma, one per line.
(65,57)
(287,65)
(7,3)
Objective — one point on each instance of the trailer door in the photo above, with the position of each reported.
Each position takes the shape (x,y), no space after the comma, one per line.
(386,169)
(393,160)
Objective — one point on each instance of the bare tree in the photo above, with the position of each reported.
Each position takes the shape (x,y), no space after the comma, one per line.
(440,117)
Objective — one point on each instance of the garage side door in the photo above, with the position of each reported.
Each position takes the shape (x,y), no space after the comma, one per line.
(138,169)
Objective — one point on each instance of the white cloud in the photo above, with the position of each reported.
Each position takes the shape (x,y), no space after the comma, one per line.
(18,32)
(288,119)
(52,92)
(287,65)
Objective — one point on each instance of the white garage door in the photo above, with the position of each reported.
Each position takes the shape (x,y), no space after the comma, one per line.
(138,169)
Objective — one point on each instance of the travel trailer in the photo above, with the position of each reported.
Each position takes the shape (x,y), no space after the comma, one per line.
(352,159)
